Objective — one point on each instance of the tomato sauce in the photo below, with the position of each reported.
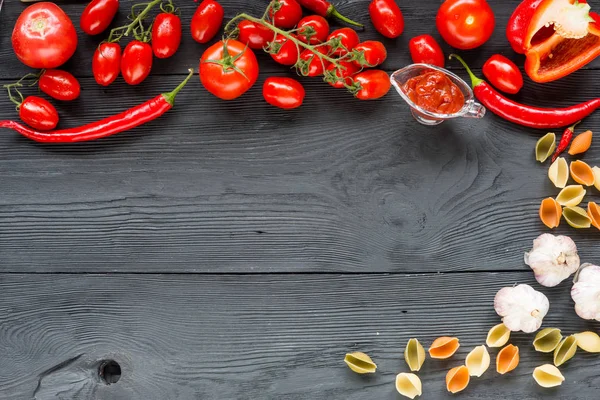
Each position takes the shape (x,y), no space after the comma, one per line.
(434,92)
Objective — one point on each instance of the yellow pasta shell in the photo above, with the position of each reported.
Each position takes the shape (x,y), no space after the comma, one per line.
(457,379)
(360,363)
(570,196)
(577,217)
(547,340)
(596,171)
(548,376)
(414,355)
(581,143)
(444,347)
(550,212)
(545,147)
(594,214)
(478,361)
(498,336)
(408,385)
(559,172)
(507,359)
(582,173)
(588,341)
(565,350)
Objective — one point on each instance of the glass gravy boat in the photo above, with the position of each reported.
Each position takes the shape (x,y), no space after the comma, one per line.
(471,109)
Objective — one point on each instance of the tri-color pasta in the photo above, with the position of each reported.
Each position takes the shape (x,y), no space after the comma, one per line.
(498,336)
(571,195)
(478,361)
(444,347)
(545,146)
(360,363)
(457,379)
(558,173)
(414,355)
(577,217)
(582,173)
(550,212)
(565,350)
(408,385)
(547,340)
(507,359)
(548,376)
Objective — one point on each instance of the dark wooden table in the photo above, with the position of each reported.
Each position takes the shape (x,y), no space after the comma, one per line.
(232,250)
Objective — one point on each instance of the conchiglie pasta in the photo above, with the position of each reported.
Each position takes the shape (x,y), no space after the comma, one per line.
(559,172)
(588,341)
(408,385)
(581,143)
(594,214)
(582,173)
(596,171)
(478,361)
(565,350)
(550,212)
(444,347)
(577,217)
(498,336)
(507,359)
(548,376)
(547,339)
(414,355)
(545,147)
(571,195)
(457,379)
(360,363)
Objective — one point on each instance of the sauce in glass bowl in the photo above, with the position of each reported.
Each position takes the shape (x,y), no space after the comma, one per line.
(435,92)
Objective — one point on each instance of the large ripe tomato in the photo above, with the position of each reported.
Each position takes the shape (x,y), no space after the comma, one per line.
(313,29)
(136,62)
(344,40)
(166,35)
(44,36)
(59,84)
(38,113)
(288,15)
(374,83)
(465,24)
(286,93)
(106,63)
(369,53)
(256,36)
(287,53)
(98,15)
(344,74)
(228,69)
(206,21)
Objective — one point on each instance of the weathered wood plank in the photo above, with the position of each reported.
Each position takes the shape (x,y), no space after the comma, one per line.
(268,337)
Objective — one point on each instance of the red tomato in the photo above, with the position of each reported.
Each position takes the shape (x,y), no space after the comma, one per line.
(346,73)
(387,18)
(228,74)
(345,39)
(288,51)
(311,65)
(465,24)
(44,36)
(503,74)
(59,84)
(313,29)
(98,15)
(106,63)
(370,53)
(166,35)
(374,84)
(38,113)
(288,15)
(256,36)
(424,49)
(284,93)
(206,21)
(136,62)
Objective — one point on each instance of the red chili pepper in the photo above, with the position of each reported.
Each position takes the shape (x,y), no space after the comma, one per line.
(565,140)
(533,117)
(326,9)
(131,118)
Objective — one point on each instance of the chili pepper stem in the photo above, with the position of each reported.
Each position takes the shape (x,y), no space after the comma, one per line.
(170,96)
(335,13)
(134,23)
(474,80)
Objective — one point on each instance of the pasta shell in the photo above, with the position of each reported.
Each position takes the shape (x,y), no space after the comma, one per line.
(577,217)
(581,143)
(588,341)
(507,359)
(547,339)
(444,347)
(596,171)
(571,195)
(498,336)
(559,172)
(408,385)
(594,214)
(478,361)
(548,376)
(360,363)
(582,173)
(457,379)
(550,212)
(414,355)
(545,147)
(565,350)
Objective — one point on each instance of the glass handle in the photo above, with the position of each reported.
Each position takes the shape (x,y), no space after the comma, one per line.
(476,110)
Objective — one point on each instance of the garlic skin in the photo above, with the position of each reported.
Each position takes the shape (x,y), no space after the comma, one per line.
(552,259)
(522,308)
(586,292)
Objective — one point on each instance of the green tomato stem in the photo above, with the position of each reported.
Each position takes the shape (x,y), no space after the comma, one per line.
(134,23)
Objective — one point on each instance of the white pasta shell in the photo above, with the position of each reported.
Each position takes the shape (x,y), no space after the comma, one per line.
(408,385)
(414,355)
(596,171)
(559,172)
(478,361)
(588,341)
(570,196)
(548,376)
(498,336)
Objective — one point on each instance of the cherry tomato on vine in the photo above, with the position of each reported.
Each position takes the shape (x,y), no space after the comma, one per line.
(288,51)
(374,83)
(424,49)
(44,36)
(256,36)
(166,35)
(206,21)
(288,15)
(38,113)
(59,84)
(228,69)
(98,15)
(286,93)
(345,39)
(310,64)
(136,62)
(503,74)
(345,74)
(387,18)
(370,53)
(106,63)
(313,29)
(465,24)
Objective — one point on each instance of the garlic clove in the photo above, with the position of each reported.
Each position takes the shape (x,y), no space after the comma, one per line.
(507,359)
(360,363)
(444,347)
(522,308)
(414,355)
(457,379)
(478,361)
(408,385)
(571,195)
(552,259)
(565,350)
(550,212)
(586,292)
(582,173)
(548,376)
(588,341)
(498,336)
(558,173)
(547,340)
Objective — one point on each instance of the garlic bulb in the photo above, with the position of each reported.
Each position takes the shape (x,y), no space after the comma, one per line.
(521,307)
(586,292)
(552,259)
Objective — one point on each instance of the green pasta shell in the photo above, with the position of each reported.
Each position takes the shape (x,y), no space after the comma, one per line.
(547,340)
(414,355)
(360,363)
(565,350)
(577,217)
(545,146)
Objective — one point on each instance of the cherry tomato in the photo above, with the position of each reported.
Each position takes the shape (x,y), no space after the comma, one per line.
(256,36)
(424,49)
(98,15)
(387,18)
(374,83)
(136,62)
(503,74)
(288,14)
(38,113)
(106,63)
(345,39)
(59,84)
(313,29)
(44,36)
(465,24)
(206,21)
(166,35)
(228,69)
(345,74)
(370,53)
(311,65)
(288,51)
(286,93)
